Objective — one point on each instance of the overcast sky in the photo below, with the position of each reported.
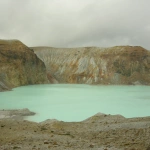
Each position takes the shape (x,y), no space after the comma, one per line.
(76,23)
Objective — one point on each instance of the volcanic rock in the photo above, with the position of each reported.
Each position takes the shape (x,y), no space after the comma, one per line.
(93,65)
(19,65)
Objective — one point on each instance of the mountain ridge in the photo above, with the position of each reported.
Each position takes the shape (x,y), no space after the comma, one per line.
(94,65)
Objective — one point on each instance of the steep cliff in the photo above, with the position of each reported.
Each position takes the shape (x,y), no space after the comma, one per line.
(93,65)
(19,65)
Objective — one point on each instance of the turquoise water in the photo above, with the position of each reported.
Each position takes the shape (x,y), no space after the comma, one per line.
(75,102)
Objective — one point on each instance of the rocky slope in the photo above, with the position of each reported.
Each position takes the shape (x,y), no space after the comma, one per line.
(19,65)
(92,65)
(100,132)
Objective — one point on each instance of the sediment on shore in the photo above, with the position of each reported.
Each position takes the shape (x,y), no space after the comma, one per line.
(99,132)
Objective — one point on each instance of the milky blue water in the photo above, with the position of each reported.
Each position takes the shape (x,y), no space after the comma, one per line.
(75,102)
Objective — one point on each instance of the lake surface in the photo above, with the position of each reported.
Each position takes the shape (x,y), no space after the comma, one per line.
(76,102)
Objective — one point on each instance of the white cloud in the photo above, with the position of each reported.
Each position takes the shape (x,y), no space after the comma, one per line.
(71,23)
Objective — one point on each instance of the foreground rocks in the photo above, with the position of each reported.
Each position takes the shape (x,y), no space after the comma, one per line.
(100,132)
(19,65)
(93,65)
(15,114)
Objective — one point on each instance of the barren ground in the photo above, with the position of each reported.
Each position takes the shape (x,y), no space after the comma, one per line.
(99,132)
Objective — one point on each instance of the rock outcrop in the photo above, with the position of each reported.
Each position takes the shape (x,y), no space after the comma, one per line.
(93,65)
(17,114)
(19,65)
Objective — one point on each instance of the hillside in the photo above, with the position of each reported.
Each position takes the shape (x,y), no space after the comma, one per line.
(93,65)
(19,65)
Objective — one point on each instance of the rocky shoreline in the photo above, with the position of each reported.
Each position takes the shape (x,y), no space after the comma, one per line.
(99,132)
(17,114)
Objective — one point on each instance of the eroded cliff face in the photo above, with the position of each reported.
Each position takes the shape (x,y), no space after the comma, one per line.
(19,65)
(92,65)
